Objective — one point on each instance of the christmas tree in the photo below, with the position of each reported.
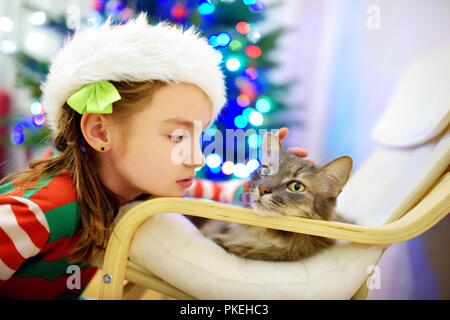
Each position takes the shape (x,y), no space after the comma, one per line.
(231,27)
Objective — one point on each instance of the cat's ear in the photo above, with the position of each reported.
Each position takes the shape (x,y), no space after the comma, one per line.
(272,147)
(334,175)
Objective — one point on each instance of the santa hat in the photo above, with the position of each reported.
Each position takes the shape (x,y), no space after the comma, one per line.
(137,52)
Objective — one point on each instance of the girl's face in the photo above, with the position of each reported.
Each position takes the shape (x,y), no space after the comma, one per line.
(163,145)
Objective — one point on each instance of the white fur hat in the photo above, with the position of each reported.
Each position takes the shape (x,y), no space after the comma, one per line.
(136,52)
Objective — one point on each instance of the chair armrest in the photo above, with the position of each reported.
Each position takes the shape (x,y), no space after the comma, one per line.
(430,210)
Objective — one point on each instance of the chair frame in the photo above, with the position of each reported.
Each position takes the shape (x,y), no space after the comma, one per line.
(427,212)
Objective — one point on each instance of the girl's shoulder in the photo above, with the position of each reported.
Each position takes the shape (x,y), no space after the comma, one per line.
(54,199)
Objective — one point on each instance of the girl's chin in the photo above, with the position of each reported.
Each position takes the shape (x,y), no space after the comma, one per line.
(178,192)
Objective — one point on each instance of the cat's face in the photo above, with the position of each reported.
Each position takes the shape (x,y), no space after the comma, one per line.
(287,184)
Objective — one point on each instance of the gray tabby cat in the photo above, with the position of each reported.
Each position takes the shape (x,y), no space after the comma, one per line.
(285,184)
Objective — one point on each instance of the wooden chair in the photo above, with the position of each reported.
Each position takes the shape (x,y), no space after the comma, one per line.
(400,191)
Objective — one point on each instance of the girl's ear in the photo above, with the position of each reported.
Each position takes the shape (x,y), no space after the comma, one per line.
(95,130)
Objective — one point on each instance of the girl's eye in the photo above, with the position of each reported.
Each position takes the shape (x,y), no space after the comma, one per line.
(296,186)
(264,171)
(176,138)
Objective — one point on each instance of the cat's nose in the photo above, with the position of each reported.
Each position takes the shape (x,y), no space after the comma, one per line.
(263,190)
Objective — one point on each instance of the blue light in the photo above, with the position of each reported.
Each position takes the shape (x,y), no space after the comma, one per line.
(240,122)
(257,6)
(263,104)
(213,41)
(247,111)
(215,170)
(25,122)
(211,131)
(18,128)
(17,136)
(206,8)
(254,141)
(224,39)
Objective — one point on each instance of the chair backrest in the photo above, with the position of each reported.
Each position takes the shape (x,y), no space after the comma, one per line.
(414,146)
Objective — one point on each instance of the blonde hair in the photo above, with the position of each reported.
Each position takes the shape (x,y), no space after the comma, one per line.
(98,205)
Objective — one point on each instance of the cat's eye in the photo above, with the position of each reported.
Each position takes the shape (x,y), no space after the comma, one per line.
(296,186)
(264,171)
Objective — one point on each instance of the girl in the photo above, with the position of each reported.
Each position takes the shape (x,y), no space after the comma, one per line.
(115,96)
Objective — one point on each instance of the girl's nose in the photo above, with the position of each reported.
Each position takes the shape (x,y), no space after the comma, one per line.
(196,158)
(199,164)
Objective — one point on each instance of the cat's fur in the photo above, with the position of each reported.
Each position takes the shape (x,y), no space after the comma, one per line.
(269,195)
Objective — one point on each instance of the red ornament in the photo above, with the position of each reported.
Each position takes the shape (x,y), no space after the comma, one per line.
(253,51)
(243,27)
(97,5)
(179,12)
(127,13)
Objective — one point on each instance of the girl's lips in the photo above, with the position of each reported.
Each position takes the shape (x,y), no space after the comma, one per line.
(186,183)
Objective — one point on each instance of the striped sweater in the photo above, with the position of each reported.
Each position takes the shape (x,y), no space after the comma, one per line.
(39,228)
(228,191)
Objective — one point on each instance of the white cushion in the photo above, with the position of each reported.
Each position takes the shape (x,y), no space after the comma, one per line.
(172,248)
(420,107)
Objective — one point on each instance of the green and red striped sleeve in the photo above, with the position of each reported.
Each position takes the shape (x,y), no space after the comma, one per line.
(24,231)
(228,191)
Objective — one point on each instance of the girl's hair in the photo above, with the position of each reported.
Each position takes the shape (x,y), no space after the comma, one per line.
(98,205)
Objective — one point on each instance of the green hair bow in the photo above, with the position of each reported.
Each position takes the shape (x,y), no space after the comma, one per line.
(96,97)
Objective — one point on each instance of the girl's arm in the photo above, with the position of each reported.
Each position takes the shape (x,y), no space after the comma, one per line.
(23,233)
(228,191)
